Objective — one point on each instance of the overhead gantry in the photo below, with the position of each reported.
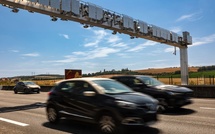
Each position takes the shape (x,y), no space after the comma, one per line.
(89,14)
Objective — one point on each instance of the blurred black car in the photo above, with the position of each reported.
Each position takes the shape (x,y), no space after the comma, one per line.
(26,87)
(169,96)
(105,102)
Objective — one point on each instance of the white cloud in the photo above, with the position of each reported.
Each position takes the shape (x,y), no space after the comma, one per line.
(31,55)
(68,59)
(176,29)
(155,52)
(113,39)
(98,52)
(204,40)
(137,48)
(150,43)
(171,49)
(142,46)
(101,52)
(15,51)
(98,37)
(81,56)
(64,35)
(100,33)
(95,43)
(121,44)
(79,53)
(190,17)
(157,61)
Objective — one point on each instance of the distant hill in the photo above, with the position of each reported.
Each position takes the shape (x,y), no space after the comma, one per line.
(165,70)
(107,74)
(39,77)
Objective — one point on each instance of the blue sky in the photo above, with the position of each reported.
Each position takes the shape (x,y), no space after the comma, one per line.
(32,44)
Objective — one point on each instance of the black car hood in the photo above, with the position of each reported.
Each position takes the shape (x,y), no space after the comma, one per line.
(173,88)
(135,97)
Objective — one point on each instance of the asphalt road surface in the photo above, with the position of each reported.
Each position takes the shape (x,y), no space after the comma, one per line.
(25,114)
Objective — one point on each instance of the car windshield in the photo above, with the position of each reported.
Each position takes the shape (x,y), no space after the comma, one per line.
(29,83)
(150,81)
(112,87)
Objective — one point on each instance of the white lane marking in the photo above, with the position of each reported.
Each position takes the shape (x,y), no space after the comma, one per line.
(209,108)
(14,122)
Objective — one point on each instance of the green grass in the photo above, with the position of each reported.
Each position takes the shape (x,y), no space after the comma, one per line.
(205,74)
(202,74)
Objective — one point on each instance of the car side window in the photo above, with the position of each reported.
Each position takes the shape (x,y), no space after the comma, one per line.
(124,80)
(137,81)
(67,86)
(20,83)
(127,81)
(147,81)
(81,87)
(132,81)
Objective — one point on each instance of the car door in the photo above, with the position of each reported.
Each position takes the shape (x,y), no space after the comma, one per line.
(138,85)
(84,106)
(65,101)
(147,89)
(20,86)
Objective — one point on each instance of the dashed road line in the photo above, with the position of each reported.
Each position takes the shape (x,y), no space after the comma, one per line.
(14,122)
(209,108)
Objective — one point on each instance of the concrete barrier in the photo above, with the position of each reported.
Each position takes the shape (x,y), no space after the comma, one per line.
(43,88)
(200,91)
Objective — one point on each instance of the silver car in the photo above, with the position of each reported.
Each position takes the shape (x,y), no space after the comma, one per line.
(26,87)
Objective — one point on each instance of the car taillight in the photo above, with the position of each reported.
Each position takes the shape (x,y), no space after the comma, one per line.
(49,93)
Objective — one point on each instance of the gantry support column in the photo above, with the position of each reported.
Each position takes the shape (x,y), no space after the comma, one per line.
(184,65)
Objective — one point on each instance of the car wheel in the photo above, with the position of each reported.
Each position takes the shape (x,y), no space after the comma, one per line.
(15,91)
(38,91)
(52,115)
(26,91)
(162,105)
(161,108)
(108,124)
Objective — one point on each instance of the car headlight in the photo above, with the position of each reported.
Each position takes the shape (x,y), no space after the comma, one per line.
(127,105)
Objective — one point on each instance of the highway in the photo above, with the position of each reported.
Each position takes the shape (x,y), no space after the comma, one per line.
(25,114)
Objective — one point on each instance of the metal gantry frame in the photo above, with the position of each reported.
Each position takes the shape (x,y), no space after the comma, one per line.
(89,14)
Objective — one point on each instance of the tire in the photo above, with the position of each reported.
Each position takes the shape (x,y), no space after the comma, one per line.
(161,108)
(26,91)
(52,115)
(38,91)
(108,124)
(162,105)
(15,90)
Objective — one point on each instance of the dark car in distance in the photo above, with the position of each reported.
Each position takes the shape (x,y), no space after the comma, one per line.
(26,87)
(169,96)
(101,101)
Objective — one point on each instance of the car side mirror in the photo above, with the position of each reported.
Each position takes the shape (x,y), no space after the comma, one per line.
(139,84)
(89,93)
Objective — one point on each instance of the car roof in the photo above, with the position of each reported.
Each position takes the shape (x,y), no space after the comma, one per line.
(119,76)
(84,79)
(88,79)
